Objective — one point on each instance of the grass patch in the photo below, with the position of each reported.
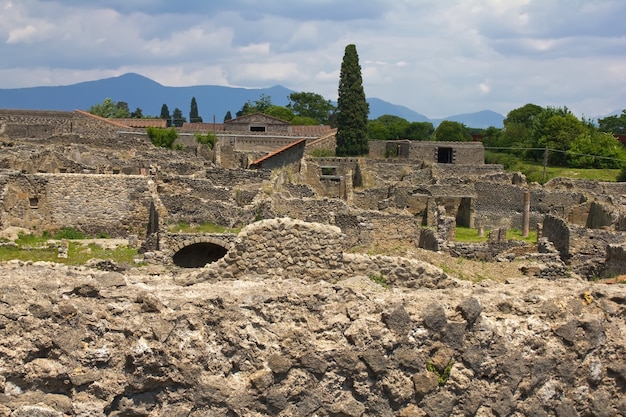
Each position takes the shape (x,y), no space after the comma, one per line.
(183,227)
(42,249)
(380,280)
(534,170)
(468,235)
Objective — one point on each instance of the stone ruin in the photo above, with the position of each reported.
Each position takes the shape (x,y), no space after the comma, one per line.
(285,318)
(63,169)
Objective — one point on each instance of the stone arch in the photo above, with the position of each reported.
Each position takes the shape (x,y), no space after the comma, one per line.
(199,251)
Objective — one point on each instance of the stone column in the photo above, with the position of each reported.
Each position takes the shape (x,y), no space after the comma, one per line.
(526,216)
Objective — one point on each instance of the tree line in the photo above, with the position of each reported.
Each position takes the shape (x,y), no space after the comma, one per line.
(304,108)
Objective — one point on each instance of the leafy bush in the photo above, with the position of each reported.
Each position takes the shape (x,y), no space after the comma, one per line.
(163,138)
(208,139)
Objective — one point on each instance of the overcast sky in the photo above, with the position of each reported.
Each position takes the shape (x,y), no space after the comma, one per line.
(437,57)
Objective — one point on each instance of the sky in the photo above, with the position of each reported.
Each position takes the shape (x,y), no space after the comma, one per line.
(436,57)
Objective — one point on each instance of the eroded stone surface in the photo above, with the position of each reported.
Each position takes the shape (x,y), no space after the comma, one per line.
(145,345)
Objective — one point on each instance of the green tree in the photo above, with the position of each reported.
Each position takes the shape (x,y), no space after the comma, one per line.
(396,125)
(450,131)
(518,130)
(556,128)
(377,130)
(194,117)
(165,114)
(352,108)
(280,112)
(303,121)
(492,137)
(311,105)
(258,106)
(419,131)
(613,124)
(121,110)
(137,114)
(228,116)
(105,109)
(596,150)
(177,118)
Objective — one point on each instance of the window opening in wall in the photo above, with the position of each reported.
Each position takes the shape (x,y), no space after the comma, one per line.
(62,170)
(444,155)
(33,202)
(116,171)
(257,128)
(329,170)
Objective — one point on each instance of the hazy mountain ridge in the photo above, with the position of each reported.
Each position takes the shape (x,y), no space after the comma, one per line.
(213,101)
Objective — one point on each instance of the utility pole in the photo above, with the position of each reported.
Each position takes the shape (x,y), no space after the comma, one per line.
(545,163)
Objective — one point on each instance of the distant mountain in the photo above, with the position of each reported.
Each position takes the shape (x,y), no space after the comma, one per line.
(380,107)
(481,120)
(213,101)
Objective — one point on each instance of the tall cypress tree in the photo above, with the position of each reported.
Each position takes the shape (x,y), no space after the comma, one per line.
(165,114)
(193,112)
(352,109)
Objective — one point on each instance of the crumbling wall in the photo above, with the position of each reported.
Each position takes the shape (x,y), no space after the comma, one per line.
(275,247)
(615,260)
(116,205)
(556,230)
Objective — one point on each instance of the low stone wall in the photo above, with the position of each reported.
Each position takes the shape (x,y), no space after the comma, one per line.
(392,270)
(272,249)
(275,247)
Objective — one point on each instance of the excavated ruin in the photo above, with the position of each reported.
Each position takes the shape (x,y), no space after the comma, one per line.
(343,294)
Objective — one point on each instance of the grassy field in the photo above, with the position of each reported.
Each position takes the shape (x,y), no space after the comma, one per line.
(534,170)
(465,234)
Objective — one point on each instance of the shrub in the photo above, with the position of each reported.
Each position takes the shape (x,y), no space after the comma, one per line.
(208,139)
(163,138)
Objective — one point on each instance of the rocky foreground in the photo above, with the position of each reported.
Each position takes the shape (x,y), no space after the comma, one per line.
(86,342)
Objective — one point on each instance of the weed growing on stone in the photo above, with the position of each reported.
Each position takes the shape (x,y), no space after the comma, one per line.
(442,377)
(380,280)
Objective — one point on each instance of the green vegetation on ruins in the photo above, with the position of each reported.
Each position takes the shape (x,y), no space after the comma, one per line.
(184,227)
(80,249)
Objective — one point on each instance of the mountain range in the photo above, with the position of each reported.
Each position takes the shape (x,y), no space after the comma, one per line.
(213,101)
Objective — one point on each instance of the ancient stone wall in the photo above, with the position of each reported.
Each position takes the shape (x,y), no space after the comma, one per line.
(615,260)
(275,247)
(462,153)
(116,205)
(556,230)
(35,123)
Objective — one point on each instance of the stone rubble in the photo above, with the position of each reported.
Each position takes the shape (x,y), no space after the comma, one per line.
(78,341)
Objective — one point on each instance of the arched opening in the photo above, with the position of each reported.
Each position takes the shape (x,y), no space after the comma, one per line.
(198,255)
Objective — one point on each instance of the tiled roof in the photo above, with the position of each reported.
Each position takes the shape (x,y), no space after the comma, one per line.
(143,123)
(269,155)
(243,119)
(315,130)
(104,119)
(202,127)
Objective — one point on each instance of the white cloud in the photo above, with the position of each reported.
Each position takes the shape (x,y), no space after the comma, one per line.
(438,58)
